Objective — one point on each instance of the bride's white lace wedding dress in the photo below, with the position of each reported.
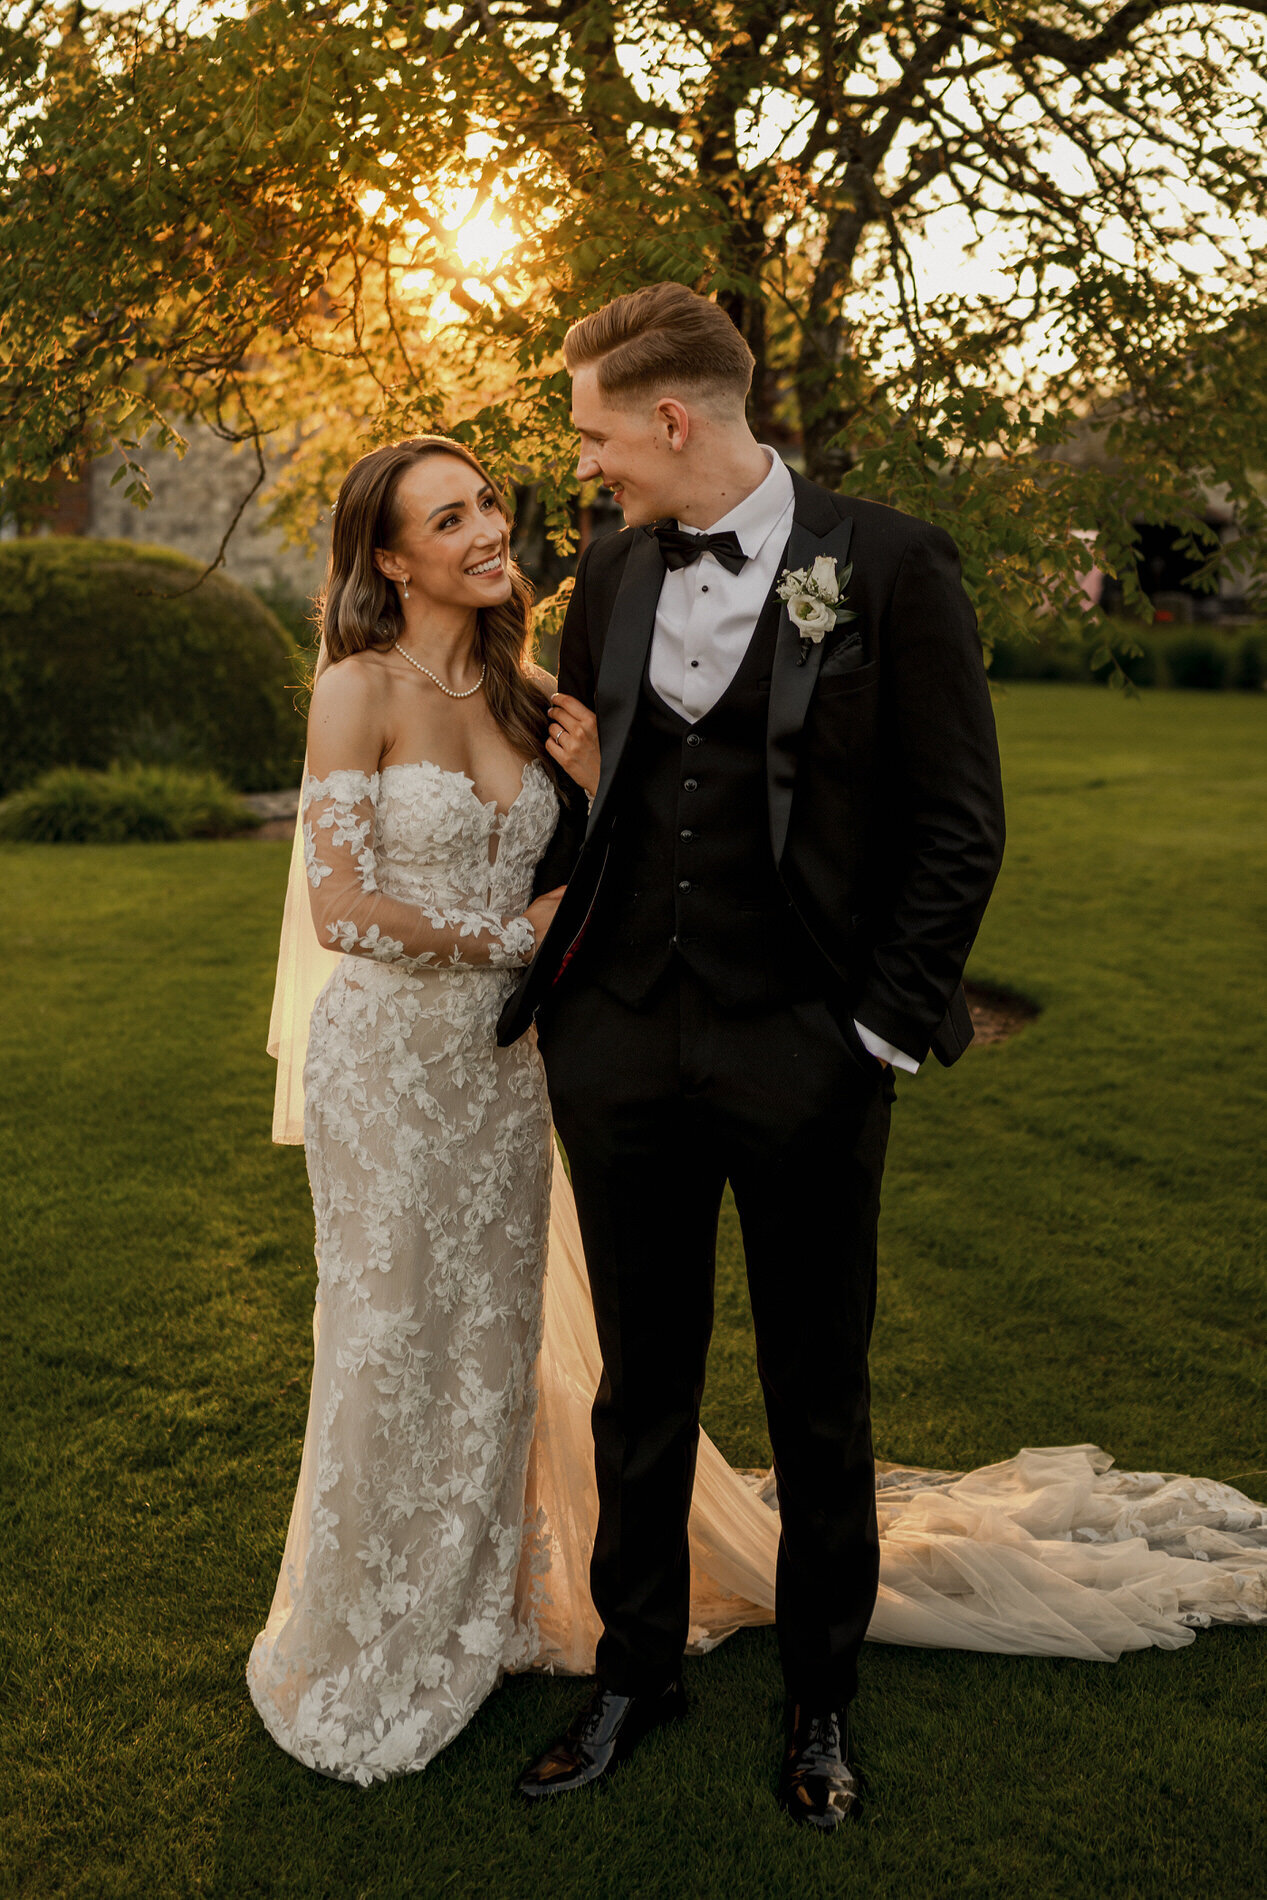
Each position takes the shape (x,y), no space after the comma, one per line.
(428,1152)
(443,1520)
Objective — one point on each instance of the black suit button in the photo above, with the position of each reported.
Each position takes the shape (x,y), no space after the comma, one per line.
(688,834)
(690,785)
(693,738)
(684,884)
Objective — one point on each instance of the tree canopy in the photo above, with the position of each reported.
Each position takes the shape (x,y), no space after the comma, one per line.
(959,239)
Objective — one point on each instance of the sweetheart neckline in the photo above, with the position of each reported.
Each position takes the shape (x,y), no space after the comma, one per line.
(446,771)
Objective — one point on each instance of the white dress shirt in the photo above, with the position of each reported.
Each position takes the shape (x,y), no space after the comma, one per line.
(705,621)
(706,615)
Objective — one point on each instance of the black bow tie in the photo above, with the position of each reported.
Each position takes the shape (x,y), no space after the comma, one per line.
(680,547)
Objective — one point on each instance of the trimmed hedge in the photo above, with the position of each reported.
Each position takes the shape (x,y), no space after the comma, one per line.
(1249,674)
(130,803)
(297,614)
(1200,661)
(1203,659)
(97,667)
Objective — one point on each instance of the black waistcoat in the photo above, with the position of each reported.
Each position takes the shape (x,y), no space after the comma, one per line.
(691,873)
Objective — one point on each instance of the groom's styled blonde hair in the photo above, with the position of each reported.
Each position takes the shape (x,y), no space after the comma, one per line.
(663,337)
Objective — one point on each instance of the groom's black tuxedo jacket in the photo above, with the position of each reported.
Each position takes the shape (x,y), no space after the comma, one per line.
(884,802)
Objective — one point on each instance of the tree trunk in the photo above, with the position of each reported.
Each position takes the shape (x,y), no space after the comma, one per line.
(746,310)
(826,377)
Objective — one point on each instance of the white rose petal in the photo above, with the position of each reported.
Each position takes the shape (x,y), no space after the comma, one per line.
(792,581)
(823,579)
(811,617)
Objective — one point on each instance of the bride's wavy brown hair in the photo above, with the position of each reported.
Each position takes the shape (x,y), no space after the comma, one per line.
(358,607)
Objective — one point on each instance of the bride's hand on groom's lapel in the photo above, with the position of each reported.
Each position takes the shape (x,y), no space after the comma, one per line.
(572,741)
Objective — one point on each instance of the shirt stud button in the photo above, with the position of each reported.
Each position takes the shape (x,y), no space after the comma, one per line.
(704,589)
(694,662)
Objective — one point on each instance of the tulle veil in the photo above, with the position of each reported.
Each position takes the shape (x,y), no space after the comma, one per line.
(1052,1552)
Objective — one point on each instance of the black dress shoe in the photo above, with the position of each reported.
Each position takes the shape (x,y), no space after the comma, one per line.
(606,1731)
(817,1786)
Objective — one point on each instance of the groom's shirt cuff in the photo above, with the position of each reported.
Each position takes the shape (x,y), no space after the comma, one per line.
(885,1051)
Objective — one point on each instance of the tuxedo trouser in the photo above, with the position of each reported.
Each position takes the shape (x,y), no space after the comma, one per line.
(658,1106)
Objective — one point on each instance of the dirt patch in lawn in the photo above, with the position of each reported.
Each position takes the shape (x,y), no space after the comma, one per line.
(997,1014)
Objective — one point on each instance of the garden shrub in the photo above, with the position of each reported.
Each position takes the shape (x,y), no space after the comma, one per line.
(1249,669)
(1039,659)
(96,666)
(1198,660)
(1056,655)
(295,611)
(1140,666)
(1204,658)
(141,803)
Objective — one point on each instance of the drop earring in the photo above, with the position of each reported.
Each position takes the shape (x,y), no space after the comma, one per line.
(404,588)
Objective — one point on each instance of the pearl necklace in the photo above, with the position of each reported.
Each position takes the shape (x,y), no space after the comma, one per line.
(469,694)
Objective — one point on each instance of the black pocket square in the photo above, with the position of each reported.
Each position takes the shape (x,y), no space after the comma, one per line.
(845,658)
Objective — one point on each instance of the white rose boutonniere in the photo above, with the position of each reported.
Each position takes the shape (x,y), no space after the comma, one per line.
(815,600)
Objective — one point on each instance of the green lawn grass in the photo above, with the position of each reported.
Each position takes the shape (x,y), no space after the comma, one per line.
(1071,1250)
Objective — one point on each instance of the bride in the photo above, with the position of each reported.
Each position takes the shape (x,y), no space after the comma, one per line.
(428,800)
(444,1514)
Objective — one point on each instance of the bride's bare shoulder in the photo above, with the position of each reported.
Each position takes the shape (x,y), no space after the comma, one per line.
(349,714)
(357,683)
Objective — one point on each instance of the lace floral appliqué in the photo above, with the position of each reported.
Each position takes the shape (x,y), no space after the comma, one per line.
(428,1152)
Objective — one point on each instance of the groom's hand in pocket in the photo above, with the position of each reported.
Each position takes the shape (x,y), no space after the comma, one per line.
(572,740)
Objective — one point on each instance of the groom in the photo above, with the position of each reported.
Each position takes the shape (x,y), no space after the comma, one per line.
(769,909)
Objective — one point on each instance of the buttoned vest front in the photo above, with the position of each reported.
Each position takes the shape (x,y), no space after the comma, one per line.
(690,874)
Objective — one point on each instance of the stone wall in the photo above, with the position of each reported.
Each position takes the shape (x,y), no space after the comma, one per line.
(194,500)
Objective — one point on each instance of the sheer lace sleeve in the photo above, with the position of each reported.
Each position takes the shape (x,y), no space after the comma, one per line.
(353,915)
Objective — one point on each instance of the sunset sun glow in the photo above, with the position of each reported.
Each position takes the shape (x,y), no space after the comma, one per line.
(483,240)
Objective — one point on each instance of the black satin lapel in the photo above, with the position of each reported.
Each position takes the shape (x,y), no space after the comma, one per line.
(814,507)
(792,683)
(625,648)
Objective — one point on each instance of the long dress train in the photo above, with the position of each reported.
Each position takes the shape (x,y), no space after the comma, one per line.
(1051,1553)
